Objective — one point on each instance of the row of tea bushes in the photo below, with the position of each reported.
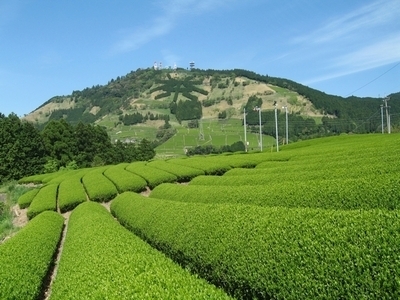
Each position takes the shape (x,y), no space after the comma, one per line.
(98,187)
(209,165)
(45,199)
(153,176)
(354,193)
(26,199)
(25,258)
(71,193)
(102,260)
(125,180)
(274,253)
(183,173)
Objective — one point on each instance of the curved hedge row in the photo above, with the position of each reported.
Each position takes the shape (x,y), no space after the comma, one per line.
(39,178)
(71,193)
(124,180)
(26,199)
(45,199)
(26,258)
(207,164)
(153,176)
(279,253)
(98,187)
(183,173)
(354,193)
(102,260)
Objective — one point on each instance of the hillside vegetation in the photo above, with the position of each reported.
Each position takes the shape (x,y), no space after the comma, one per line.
(317,220)
(158,104)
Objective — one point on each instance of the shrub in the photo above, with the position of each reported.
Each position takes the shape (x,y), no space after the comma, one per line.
(274,253)
(98,187)
(102,260)
(71,193)
(25,258)
(124,180)
(153,176)
(45,199)
(183,173)
(25,200)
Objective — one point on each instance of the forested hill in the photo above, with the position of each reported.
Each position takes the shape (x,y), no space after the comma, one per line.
(168,87)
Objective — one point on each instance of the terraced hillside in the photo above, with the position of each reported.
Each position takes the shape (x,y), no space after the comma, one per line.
(318,220)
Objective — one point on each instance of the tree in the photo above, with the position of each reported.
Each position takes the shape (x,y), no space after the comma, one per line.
(21,149)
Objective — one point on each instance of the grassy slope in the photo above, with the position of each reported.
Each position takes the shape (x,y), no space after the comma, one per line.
(238,93)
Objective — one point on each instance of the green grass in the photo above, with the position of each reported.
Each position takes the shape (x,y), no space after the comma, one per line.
(217,133)
(13,192)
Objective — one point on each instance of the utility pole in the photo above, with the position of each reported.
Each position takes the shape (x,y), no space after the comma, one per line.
(382,118)
(386,99)
(245,129)
(259,117)
(276,128)
(287,124)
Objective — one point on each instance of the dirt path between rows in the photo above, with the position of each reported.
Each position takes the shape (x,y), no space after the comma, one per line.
(54,268)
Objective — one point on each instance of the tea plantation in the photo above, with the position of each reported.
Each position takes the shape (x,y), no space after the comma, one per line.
(318,220)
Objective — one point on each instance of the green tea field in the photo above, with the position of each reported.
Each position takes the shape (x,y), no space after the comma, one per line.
(320,219)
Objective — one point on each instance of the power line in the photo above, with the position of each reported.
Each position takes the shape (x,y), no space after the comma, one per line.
(351,93)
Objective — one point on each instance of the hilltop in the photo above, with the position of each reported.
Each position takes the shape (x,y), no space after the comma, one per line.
(138,104)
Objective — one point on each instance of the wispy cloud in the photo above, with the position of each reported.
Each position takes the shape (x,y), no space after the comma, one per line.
(379,54)
(165,22)
(363,39)
(378,13)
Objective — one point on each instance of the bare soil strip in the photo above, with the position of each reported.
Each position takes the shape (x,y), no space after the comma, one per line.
(54,267)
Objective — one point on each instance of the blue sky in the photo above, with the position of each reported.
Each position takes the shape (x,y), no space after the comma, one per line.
(50,48)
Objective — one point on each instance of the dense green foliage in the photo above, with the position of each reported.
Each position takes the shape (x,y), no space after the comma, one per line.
(255,252)
(25,151)
(25,259)
(328,194)
(210,149)
(89,145)
(125,180)
(71,193)
(102,260)
(45,199)
(209,166)
(153,176)
(22,151)
(98,187)
(25,199)
(183,173)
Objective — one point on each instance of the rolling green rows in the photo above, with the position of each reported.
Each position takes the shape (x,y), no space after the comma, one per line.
(280,253)
(45,199)
(235,160)
(70,193)
(209,166)
(98,187)
(125,180)
(102,260)
(26,258)
(26,199)
(153,176)
(33,179)
(183,173)
(354,193)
